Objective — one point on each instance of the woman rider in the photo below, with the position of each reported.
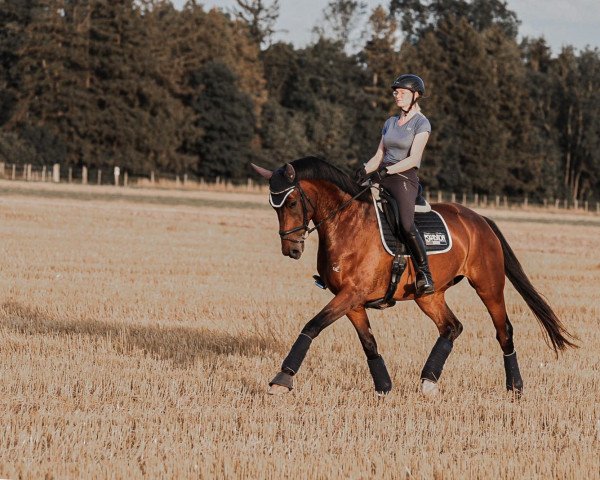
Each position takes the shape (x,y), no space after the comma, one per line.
(395,165)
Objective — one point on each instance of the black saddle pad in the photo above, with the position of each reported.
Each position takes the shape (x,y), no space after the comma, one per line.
(431,226)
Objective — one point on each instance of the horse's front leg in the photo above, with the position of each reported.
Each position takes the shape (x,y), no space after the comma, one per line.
(381,377)
(340,305)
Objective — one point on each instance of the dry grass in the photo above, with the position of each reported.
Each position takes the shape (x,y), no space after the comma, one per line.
(137,337)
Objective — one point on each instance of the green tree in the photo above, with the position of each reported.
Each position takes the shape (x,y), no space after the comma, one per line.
(34,74)
(421,16)
(578,81)
(381,57)
(226,118)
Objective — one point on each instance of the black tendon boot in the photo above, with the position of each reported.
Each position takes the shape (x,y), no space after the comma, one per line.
(414,242)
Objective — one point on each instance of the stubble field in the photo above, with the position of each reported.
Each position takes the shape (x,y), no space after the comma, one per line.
(139,330)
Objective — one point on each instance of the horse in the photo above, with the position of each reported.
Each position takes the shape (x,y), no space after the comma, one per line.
(356,269)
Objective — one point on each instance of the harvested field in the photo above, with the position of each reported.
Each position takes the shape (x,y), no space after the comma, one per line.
(139,329)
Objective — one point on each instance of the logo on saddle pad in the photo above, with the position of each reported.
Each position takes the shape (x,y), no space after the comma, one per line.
(435,239)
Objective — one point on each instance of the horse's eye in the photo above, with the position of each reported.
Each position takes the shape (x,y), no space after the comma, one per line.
(292,204)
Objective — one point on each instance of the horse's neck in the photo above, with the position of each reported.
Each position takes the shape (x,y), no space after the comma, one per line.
(346,222)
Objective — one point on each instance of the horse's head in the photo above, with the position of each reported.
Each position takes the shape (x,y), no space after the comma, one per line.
(294,209)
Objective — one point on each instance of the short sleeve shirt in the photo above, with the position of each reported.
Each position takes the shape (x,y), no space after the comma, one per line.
(398,140)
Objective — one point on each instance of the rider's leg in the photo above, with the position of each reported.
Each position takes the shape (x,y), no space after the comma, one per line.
(424,282)
(404,187)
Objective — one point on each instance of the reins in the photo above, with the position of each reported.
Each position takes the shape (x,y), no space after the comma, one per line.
(304,226)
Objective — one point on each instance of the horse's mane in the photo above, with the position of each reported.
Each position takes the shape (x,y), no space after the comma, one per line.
(315,168)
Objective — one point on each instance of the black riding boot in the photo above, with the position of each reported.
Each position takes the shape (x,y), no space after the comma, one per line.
(414,242)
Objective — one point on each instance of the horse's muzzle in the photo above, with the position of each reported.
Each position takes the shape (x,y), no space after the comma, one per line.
(292,250)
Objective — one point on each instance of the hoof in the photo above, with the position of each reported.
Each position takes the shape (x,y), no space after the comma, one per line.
(429,388)
(278,389)
(282,383)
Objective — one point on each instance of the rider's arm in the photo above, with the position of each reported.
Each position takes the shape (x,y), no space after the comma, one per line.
(416,153)
(374,163)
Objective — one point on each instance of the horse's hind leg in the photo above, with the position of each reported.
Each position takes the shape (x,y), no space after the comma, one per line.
(381,378)
(435,307)
(492,295)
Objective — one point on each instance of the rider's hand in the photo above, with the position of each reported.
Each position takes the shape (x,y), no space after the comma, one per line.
(360,176)
(380,174)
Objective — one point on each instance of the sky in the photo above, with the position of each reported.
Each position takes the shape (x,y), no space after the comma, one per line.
(560,22)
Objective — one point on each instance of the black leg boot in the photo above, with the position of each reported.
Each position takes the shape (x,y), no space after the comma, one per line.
(414,242)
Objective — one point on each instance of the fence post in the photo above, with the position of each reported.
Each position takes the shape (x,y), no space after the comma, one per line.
(177,181)
(505,201)
(484,203)
(476,200)
(185,179)
(44,173)
(70,174)
(2,168)
(99,177)
(14,172)
(29,177)
(597,207)
(125,179)
(427,195)
(117,174)
(56,173)
(566,202)
(557,203)
(576,204)
(525,201)
(453,197)
(439,196)
(464,199)
(24,171)
(585,206)
(84,175)
(152,177)
(249,185)
(545,203)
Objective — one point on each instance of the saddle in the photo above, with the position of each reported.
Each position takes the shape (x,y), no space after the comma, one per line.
(430,224)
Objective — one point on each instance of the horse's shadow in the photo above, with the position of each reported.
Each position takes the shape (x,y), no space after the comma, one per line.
(182,345)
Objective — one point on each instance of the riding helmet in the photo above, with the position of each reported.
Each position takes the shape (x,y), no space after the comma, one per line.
(411,82)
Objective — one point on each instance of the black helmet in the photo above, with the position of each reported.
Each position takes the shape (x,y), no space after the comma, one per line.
(411,82)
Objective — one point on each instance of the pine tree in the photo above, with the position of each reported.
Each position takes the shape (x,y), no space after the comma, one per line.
(227,121)
(381,57)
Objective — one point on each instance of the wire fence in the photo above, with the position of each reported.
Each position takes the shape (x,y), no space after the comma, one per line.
(119,178)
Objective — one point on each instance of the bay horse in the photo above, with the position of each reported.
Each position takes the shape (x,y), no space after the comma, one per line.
(353,264)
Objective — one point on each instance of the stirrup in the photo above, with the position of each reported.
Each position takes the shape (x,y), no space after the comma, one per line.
(426,288)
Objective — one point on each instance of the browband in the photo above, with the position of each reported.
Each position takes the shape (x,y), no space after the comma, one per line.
(287,192)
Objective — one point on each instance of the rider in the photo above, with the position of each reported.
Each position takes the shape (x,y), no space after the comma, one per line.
(395,166)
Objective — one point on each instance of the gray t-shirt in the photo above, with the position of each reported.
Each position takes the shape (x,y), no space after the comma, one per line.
(397,140)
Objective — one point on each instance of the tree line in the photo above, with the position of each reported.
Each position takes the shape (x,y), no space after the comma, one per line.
(142,85)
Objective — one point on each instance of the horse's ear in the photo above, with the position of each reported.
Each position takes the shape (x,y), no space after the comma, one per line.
(263,172)
(290,173)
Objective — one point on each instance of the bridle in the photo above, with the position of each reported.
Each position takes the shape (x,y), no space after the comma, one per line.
(304,199)
(305,220)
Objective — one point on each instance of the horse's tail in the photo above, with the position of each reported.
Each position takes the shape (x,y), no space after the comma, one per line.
(557,334)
